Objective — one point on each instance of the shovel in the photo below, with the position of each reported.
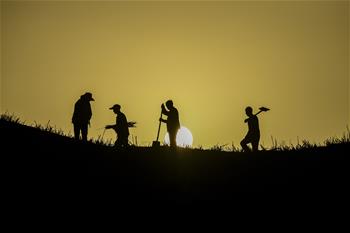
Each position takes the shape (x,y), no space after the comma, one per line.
(262,109)
(157,143)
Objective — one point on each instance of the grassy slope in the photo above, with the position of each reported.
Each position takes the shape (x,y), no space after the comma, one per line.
(36,161)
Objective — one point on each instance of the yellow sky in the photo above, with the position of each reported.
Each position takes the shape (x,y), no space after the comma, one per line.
(211,58)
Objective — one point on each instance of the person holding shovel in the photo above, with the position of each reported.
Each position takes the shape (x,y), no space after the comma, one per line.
(172,122)
(121,127)
(253,135)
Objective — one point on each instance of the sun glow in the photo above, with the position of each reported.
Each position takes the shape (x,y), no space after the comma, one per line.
(184,138)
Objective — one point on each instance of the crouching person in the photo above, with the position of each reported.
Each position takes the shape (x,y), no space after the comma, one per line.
(121,127)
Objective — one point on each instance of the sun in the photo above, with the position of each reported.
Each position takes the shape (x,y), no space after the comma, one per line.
(184,138)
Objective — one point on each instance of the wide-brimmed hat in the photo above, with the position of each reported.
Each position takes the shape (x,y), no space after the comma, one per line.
(88,96)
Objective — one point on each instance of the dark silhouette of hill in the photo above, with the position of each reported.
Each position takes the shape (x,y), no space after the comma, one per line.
(35,161)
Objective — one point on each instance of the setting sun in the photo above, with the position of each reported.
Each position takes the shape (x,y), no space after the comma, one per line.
(184,138)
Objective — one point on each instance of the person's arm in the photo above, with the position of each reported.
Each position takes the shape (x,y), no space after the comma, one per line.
(162,120)
(74,113)
(73,117)
(164,111)
(132,124)
(90,113)
(111,127)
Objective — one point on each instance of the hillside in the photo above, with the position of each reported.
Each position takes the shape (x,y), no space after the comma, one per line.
(35,161)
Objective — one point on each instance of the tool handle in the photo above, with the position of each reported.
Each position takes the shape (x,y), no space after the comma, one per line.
(257,113)
(161,114)
(254,115)
(103,134)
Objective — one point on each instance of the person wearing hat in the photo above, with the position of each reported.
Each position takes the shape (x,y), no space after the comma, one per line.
(121,127)
(172,122)
(82,116)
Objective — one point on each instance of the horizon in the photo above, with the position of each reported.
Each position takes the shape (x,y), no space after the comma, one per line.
(292,57)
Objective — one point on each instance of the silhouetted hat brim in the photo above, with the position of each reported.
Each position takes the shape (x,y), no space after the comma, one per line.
(88,96)
(114,107)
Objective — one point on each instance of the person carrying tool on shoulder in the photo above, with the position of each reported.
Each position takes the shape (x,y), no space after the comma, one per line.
(253,135)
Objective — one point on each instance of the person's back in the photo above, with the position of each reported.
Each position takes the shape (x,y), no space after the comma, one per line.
(82,115)
(253,135)
(82,112)
(122,125)
(173,122)
(253,125)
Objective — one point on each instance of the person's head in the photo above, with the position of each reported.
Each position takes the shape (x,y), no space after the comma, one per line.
(169,104)
(116,108)
(249,111)
(87,96)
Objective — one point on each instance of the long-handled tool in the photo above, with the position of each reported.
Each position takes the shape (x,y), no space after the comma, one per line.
(100,138)
(103,134)
(157,143)
(262,109)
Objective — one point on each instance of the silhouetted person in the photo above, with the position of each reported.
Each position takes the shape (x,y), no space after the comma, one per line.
(172,122)
(253,135)
(82,115)
(121,127)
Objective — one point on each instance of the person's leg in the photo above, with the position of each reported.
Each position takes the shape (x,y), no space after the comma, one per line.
(255,143)
(244,145)
(76,131)
(84,132)
(125,142)
(172,138)
(117,142)
(120,142)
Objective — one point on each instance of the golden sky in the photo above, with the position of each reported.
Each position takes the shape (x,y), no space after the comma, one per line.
(211,58)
